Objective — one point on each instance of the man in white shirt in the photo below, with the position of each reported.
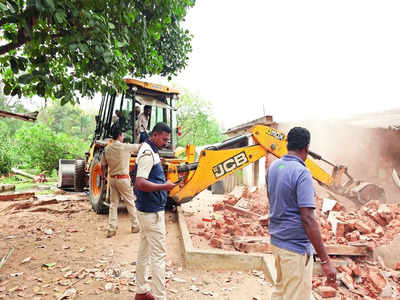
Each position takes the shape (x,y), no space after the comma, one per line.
(143,123)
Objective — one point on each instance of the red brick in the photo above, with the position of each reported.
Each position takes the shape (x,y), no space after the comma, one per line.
(397,266)
(347,280)
(218,233)
(350,225)
(341,240)
(394,223)
(376,278)
(316,282)
(370,246)
(229,220)
(347,270)
(218,206)
(200,225)
(379,231)
(362,227)
(263,220)
(231,201)
(247,247)
(338,207)
(385,213)
(340,229)
(353,236)
(372,204)
(207,235)
(355,269)
(216,242)
(377,218)
(219,224)
(326,291)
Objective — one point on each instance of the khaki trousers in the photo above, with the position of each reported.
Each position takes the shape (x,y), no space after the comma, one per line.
(152,249)
(121,189)
(294,275)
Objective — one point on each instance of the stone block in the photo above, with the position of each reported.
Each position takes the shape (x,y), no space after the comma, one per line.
(218,206)
(216,242)
(327,291)
(362,227)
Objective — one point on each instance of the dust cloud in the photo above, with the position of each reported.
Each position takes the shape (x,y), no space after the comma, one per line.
(369,153)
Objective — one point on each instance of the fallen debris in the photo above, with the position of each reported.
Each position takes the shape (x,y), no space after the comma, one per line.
(5,258)
(68,294)
(35,205)
(36,178)
(347,250)
(17,196)
(13,208)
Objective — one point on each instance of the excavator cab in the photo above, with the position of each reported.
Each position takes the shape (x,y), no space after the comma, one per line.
(120,109)
(123,110)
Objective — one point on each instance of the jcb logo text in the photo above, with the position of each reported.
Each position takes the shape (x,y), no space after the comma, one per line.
(275,134)
(230,164)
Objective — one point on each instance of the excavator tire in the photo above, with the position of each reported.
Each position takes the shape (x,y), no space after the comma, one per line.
(79,175)
(97,187)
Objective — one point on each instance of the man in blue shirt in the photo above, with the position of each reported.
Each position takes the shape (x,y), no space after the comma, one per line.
(293,226)
(151,196)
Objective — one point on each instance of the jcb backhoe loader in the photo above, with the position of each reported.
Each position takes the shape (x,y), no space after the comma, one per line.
(214,164)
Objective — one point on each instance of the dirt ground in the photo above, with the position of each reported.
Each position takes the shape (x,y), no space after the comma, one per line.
(56,254)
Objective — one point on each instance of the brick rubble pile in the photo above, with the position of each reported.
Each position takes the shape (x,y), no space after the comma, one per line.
(240,223)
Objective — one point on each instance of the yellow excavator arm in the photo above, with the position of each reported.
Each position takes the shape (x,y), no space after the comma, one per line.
(218,162)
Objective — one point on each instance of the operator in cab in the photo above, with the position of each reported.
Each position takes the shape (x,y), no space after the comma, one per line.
(143,123)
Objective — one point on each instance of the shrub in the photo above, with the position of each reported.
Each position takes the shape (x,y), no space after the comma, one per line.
(40,147)
(7,156)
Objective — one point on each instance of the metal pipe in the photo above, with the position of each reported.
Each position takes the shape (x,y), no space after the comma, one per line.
(319,157)
(238,140)
(188,167)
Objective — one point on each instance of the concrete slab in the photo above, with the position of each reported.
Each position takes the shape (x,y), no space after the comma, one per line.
(214,259)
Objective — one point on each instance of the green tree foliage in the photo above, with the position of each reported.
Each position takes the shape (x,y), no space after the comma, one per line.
(40,147)
(68,119)
(9,126)
(7,155)
(64,48)
(60,132)
(199,127)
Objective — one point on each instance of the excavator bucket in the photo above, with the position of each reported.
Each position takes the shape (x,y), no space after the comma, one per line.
(359,191)
(363,192)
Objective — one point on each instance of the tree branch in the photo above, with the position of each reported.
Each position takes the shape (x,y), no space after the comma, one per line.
(7,20)
(13,45)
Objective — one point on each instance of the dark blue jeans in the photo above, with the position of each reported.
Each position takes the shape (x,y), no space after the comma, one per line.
(143,137)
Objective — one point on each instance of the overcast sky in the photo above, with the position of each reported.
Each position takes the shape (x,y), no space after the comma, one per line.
(295,60)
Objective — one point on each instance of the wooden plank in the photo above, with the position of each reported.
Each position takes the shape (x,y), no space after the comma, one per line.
(242,212)
(343,250)
(347,250)
(19,196)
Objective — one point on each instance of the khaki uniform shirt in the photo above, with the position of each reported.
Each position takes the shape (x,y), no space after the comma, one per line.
(118,155)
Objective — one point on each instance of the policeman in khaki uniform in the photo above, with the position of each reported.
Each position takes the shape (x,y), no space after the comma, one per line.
(117,156)
(151,196)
